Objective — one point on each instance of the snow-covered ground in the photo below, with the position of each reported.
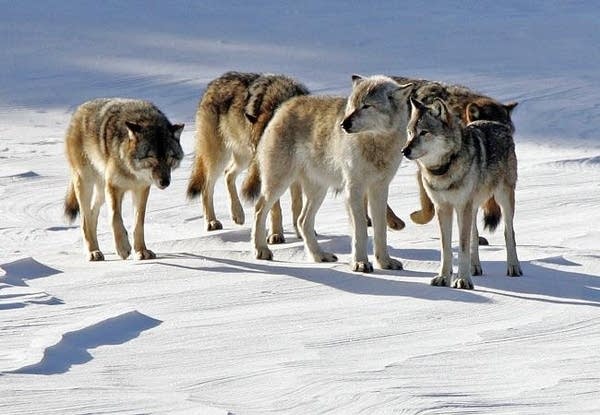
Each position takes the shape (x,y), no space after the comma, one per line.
(207,329)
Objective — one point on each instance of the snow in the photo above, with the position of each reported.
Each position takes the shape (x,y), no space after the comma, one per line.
(207,329)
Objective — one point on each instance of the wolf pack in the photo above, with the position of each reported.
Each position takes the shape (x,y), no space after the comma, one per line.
(287,138)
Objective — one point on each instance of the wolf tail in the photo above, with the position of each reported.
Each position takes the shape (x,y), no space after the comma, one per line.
(491,214)
(197,179)
(71,204)
(252,183)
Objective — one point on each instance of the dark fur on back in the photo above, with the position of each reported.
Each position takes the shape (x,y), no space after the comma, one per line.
(253,96)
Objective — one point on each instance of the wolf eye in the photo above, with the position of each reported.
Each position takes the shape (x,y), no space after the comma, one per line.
(366,106)
(423,133)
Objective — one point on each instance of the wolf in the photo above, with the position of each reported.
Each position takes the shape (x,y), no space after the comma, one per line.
(115,145)
(468,106)
(462,167)
(351,145)
(231,117)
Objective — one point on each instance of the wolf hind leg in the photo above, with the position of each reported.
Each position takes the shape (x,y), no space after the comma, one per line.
(506,200)
(315,194)
(427,211)
(296,194)
(236,165)
(276,229)
(83,185)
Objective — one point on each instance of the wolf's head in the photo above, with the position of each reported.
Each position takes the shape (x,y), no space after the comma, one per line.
(433,132)
(490,110)
(154,150)
(377,104)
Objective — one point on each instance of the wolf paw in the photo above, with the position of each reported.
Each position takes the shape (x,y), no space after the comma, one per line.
(326,257)
(145,254)
(95,256)
(483,241)
(362,266)
(476,269)
(440,281)
(276,238)
(124,249)
(214,225)
(463,283)
(421,217)
(390,263)
(264,253)
(238,216)
(396,224)
(514,270)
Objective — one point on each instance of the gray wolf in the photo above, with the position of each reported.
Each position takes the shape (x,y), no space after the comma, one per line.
(231,117)
(468,106)
(462,167)
(113,146)
(351,145)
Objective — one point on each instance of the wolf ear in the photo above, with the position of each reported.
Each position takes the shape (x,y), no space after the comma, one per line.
(176,129)
(441,110)
(357,79)
(251,118)
(133,129)
(402,92)
(417,105)
(472,112)
(510,106)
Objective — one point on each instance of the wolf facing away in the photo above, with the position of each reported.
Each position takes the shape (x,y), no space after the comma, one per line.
(462,167)
(230,120)
(468,106)
(350,144)
(113,146)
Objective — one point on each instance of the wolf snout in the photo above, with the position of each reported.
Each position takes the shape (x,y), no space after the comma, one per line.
(407,152)
(163,183)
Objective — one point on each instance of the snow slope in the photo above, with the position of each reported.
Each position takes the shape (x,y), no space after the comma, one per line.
(207,329)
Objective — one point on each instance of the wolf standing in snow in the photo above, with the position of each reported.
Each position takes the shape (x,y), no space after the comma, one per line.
(350,144)
(462,167)
(468,106)
(230,120)
(114,146)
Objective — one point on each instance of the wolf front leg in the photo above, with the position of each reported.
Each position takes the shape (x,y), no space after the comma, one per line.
(377,195)
(114,197)
(465,217)
(358,217)
(444,277)
(140,199)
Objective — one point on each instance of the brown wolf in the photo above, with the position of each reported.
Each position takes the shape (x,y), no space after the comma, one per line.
(468,106)
(113,146)
(462,167)
(230,120)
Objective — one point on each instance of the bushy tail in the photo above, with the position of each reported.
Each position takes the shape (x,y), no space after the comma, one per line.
(71,204)
(491,214)
(197,179)
(252,183)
